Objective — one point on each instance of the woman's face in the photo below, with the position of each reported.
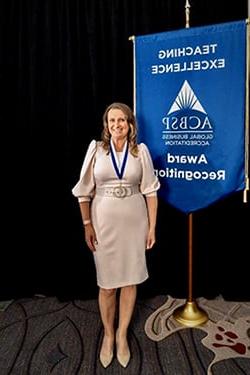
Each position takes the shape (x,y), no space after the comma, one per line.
(117,124)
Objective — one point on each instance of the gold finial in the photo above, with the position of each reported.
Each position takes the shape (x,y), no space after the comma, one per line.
(187,12)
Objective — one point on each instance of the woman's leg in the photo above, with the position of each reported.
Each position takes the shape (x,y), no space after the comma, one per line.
(107,304)
(126,308)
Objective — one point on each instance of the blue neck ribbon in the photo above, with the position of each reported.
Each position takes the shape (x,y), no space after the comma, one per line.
(118,171)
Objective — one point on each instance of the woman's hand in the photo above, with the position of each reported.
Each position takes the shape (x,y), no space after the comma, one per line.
(90,237)
(150,239)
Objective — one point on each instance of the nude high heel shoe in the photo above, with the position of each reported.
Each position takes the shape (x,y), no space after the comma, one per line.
(106,359)
(124,358)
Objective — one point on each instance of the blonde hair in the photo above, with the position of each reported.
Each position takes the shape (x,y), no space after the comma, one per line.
(132,133)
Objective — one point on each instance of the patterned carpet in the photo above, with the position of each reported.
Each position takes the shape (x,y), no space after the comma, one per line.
(227,329)
(43,335)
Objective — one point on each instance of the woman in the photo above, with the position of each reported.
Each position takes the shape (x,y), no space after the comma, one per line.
(117,193)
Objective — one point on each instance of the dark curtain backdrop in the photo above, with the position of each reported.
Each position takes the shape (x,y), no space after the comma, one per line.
(62,63)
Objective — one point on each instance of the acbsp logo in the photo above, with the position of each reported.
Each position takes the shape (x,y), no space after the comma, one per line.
(186,114)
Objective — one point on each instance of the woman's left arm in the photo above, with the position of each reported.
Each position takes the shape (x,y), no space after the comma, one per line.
(152,205)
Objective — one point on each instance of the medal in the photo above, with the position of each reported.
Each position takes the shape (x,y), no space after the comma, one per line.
(119,170)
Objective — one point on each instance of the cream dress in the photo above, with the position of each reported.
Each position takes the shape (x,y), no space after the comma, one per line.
(121,224)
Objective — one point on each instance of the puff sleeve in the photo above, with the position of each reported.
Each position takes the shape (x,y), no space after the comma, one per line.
(149,182)
(84,189)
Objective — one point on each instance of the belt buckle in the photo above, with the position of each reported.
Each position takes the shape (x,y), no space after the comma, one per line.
(120,192)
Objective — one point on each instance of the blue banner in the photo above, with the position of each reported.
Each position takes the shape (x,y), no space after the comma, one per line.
(190,105)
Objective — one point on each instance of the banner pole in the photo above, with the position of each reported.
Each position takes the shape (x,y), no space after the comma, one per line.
(190,257)
(190,314)
(245,192)
(132,38)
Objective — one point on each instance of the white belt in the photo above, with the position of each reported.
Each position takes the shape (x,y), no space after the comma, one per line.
(118,191)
